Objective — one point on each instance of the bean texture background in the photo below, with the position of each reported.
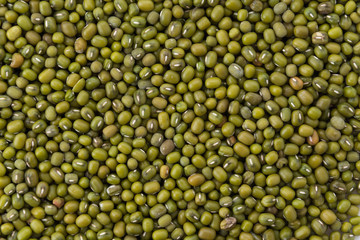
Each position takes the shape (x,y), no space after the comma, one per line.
(179,119)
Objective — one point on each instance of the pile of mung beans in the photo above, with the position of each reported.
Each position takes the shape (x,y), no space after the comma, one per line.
(179,119)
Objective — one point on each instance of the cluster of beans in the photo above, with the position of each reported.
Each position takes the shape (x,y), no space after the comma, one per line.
(179,119)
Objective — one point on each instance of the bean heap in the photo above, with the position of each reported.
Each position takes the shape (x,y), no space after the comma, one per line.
(179,119)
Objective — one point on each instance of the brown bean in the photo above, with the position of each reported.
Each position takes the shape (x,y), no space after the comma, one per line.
(313,139)
(80,45)
(296,83)
(16,60)
(58,202)
(228,223)
(164,171)
(167,147)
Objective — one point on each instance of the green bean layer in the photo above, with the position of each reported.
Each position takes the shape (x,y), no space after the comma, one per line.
(179,119)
